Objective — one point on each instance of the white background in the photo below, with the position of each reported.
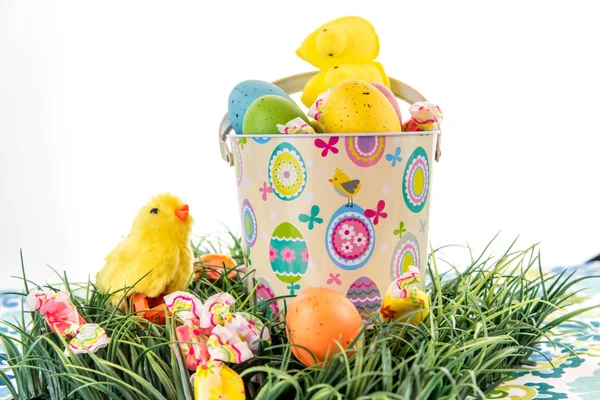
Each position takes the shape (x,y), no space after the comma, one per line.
(104,104)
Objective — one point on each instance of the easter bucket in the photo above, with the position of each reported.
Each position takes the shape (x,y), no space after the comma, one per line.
(300,230)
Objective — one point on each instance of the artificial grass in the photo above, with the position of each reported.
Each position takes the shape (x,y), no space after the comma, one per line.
(484,324)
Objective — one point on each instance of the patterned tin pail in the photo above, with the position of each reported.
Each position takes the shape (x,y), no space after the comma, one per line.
(299,227)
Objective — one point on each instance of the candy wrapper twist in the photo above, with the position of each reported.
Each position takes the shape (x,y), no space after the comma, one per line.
(211,335)
(64,320)
(316,110)
(297,125)
(425,117)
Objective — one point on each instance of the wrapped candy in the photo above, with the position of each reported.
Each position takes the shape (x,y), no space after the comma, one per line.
(64,320)
(316,110)
(211,335)
(404,301)
(425,117)
(215,380)
(295,126)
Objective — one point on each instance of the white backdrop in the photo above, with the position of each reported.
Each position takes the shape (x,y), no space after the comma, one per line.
(104,104)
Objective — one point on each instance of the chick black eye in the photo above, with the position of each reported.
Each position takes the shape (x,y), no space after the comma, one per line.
(154,211)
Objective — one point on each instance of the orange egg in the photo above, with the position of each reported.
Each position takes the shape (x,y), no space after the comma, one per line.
(316,319)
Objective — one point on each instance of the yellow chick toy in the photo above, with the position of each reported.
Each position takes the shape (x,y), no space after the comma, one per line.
(342,49)
(157,249)
(346,40)
(345,186)
(403,300)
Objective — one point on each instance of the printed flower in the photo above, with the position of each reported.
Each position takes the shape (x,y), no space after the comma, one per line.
(304,255)
(328,146)
(400,231)
(205,369)
(347,247)
(192,343)
(288,255)
(387,312)
(378,213)
(394,158)
(272,253)
(313,218)
(265,190)
(286,173)
(359,240)
(346,232)
(334,279)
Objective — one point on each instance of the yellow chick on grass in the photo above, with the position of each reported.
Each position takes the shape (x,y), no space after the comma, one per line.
(156,257)
(345,186)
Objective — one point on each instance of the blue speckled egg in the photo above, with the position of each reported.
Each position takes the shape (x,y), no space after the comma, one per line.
(243,95)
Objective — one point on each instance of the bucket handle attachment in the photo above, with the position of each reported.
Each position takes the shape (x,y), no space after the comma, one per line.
(295,83)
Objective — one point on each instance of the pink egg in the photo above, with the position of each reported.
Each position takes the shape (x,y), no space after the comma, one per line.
(390,96)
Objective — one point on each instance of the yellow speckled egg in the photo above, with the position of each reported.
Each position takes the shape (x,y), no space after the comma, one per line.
(358,107)
(399,309)
(316,319)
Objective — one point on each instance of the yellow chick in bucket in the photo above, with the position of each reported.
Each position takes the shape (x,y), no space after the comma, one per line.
(156,257)
(404,301)
(342,49)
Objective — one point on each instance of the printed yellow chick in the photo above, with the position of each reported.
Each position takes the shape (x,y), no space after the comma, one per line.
(157,249)
(345,186)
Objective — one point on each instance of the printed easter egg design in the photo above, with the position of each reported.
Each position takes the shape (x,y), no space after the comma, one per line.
(405,254)
(365,151)
(365,296)
(249,225)
(287,172)
(237,162)
(415,183)
(264,293)
(261,140)
(288,255)
(350,238)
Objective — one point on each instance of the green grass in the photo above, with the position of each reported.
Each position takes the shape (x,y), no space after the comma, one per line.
(484,323)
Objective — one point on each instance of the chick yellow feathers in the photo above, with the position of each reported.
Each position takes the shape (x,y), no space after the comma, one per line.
(156,257)
(327,79)
(345,186)
(347,40)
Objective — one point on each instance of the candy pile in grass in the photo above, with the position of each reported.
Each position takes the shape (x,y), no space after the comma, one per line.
(350,93)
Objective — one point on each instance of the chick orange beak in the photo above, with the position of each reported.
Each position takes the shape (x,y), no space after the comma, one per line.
(182,212)
(330,180)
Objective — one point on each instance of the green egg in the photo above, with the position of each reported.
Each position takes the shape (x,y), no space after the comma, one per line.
(267,111)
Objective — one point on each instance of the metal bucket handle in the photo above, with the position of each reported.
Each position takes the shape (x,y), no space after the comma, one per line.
(295,83)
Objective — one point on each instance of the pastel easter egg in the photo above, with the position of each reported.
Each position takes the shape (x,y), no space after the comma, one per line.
(266,112)
(287,172)
(415,184)
(249,224)
(391,98)
(288,253)
(265,293)
(365,151)
(350,238)
(358,107)
(405,254)
(244,94)
(365,296)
